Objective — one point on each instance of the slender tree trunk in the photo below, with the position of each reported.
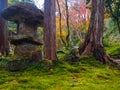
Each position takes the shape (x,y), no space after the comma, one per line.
(93,41)
(49,30)
(67,22)
(60,23)
(3,30)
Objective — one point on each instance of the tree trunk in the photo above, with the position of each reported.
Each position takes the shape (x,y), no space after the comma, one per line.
(93,41)
(60,23)
(3,30)
(49,30)
(67,22)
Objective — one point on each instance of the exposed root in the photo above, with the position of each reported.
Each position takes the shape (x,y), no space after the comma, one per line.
(99,53)
(116,62)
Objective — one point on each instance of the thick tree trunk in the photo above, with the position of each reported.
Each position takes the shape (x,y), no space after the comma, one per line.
(3,30)
(93,41)
(49,30)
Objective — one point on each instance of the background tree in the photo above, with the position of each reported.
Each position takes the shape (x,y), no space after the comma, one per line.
(60,22)
(67,23)
(113,6)
(4,49)
(78,19)
(49,30)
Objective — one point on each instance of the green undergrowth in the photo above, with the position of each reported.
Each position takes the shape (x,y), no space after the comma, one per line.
(112,48)
(88,74)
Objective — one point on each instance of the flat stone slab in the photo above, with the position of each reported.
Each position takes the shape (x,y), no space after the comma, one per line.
(25,11)
(21,39)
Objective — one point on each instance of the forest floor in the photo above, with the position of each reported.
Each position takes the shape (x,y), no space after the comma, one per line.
(88,74)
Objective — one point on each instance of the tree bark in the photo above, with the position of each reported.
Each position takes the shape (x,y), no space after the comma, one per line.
(93,41)
(4,47)
(49,30)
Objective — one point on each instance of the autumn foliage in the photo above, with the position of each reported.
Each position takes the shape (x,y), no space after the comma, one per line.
(79,17)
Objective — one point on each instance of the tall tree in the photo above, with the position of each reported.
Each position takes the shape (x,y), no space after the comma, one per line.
(67,22)
(3,30)
(93,41)
(60,23)
(49,30)
(113,7)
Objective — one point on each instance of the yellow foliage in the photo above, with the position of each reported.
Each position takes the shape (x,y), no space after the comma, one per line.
(63,23)
(0,54)
(87,25)
(11,28)
(9,2)
(64,34)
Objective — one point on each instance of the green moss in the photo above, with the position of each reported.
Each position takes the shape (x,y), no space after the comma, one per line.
(88,74)
(113,49)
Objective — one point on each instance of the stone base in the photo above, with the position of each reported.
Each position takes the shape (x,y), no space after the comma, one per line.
(17,65)
(28,51)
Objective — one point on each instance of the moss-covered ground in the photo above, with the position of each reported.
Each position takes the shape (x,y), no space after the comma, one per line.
(88,74)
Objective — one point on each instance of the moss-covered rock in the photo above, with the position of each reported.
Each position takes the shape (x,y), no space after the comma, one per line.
(17,65)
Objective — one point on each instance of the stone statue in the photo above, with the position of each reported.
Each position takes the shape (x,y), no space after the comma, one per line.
(27,17)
